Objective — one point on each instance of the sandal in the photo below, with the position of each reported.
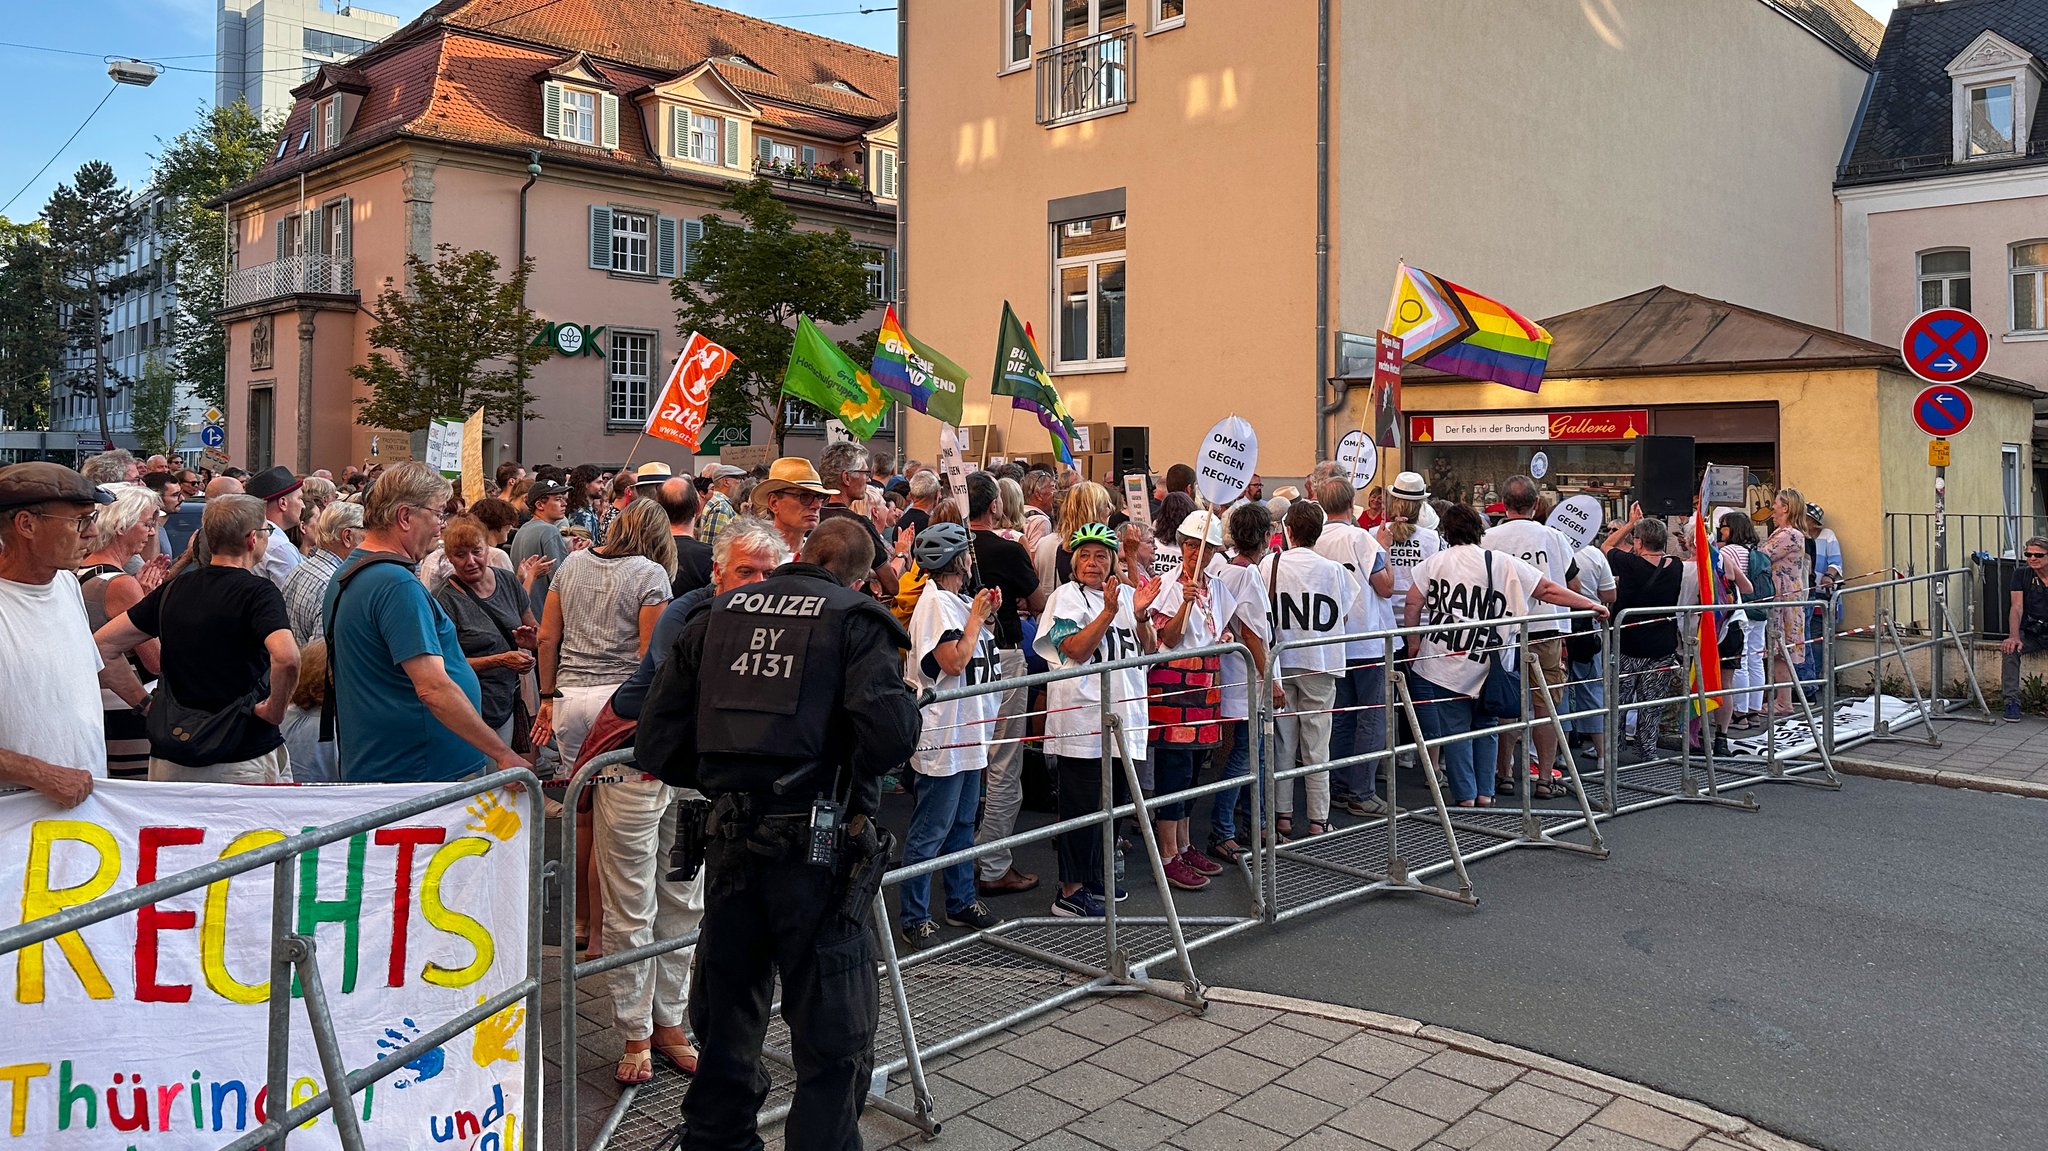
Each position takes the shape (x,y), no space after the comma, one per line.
(1228,851)
(1283,826)
(1502,785)
(681,1056)
(1484,801)
(1318,827)
(1468,803)
(635,1068)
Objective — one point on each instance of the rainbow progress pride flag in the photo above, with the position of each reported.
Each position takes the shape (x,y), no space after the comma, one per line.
(1456,330)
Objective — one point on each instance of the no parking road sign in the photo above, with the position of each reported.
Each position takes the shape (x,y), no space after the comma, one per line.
(1942,411)
(1945,346)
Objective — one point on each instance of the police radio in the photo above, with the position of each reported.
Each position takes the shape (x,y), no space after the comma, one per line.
(822,850)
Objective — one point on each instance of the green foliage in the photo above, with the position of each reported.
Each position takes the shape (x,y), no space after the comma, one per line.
(2034,695)
(224,149)
(156,415)
(456,317)
(90,223)
(746,285)
(28,326)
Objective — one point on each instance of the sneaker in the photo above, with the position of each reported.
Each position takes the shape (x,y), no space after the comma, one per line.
(921,935)
(975,915)
(2012,711)
(1367,806)
(1083,904)
(1200,862)
(1180,875)
(1095,889)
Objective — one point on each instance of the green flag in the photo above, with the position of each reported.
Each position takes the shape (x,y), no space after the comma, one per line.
(821,375)
(1020,375)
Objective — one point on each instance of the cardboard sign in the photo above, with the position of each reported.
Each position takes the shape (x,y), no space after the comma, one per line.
(1229,456)
(1358,458)
(749,456)
(472,454)
(1578,518)
(677,413)
(1725,484)
(413,924)
(953,463)
(1386,390)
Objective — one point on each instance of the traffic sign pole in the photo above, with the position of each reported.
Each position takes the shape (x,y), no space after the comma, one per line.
(1940,584)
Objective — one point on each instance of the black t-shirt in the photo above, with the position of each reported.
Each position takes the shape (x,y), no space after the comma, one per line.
(1638,583)
(693,566)
(916,519)
(883,553)
(213,621)
(1007,567)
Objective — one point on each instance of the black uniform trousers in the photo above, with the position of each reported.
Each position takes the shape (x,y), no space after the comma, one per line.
(764,916)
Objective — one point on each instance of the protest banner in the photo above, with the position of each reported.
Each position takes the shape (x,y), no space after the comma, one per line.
(1226,461)
(473,458)
(1578,518)
(444,447)
(1386,391)
(1358,459)
(677,414)
(149,1029)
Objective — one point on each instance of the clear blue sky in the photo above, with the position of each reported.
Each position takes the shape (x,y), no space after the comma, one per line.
(58,90)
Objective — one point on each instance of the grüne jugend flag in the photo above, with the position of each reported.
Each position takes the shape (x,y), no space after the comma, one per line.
(1456,330)
(1020,375)
(930,382)
(821,375)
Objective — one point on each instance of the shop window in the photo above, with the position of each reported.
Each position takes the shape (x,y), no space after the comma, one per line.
(2029,275)
(1016,34)
(1945,279)
(1088,274)
(626,393)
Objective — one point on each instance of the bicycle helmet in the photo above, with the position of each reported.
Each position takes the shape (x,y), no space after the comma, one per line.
(1093,534)
(939,545)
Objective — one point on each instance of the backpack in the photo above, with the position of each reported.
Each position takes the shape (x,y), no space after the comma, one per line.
(1760,585)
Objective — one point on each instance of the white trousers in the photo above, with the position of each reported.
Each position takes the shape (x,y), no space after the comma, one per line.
(1750,674)
(1305,738)
(274,766)
(634,835)
(574,713)
(1004,776)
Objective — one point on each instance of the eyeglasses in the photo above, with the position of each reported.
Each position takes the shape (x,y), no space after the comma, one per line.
(440,514)
(861,472)
(806,498)
(82,523)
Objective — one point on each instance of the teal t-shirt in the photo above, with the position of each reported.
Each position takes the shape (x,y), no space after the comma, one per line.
(386,735)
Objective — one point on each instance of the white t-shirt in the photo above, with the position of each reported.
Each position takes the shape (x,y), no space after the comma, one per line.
(1362,556)
(1166,559)
(1404,555)
(1315,597)
(1596,575)
(1453,584)
(1238,604)
(955,732)
(1198,630)
(280,556)
(49,676)
(1073,726)
(1542,547)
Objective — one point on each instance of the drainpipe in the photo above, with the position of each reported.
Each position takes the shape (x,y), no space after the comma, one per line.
(519,425)
(902,181)
(1322,228)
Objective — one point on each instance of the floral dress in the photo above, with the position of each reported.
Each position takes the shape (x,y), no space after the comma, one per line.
(1786,550)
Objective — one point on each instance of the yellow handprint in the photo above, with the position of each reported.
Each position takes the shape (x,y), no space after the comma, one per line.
(495,1036)
(495,818)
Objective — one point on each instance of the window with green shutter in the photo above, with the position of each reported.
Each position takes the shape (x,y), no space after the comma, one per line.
(601,237)
(732,143)
(693,231)
(665,246)
(611,120)
(551,110)
(679,133)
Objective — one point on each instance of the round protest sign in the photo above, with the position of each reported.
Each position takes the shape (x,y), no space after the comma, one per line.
(1229,455)
(1578,518)
(1358,458)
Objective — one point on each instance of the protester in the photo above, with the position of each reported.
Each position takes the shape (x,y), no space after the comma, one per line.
(404,697)
(1785,633)
(1746,572)
(317,492)
(1358,726)
(1086,503)
(1002,564)
(1462,588)
(51,717)
(117,466)
(792,497)
(1185,697)
(493,620)
(1242,612)
(1314,598)
(924,496)
(312,758)
(625,486)
(585,491)
(1041,497)
(844,468)
(336,532)
(1407,534)
(170,497)
(119,534)
(678,500)
(1645,577)
(283,503)
(952,646)
(1824,568)
(226,647)
(542,537)
(719,484)
(1529,539)
(1586,655)
(1166,521)
(598,623)
(2026,624)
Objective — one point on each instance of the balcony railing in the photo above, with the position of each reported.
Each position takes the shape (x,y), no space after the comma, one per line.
(291,276)
(823,178)
(1089,77)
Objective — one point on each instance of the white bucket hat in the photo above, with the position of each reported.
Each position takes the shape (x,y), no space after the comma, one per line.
(1409,486)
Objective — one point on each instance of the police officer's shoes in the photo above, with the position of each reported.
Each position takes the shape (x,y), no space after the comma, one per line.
(921,935)
(975,915)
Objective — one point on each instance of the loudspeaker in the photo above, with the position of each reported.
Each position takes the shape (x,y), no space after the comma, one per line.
(1664,475)
(1133,448)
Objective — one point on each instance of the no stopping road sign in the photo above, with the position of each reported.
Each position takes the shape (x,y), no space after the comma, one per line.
(1942,411)
(1945,346)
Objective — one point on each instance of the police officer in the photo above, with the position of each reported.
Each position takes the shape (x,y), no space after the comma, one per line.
(785,704)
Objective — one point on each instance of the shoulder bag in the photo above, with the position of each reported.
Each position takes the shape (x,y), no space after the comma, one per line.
(522,716)
(1500,697)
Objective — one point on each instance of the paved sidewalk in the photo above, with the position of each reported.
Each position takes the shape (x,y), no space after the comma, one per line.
(1984,756)
(1259,1072)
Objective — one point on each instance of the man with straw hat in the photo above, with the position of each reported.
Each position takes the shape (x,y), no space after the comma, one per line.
(791,498)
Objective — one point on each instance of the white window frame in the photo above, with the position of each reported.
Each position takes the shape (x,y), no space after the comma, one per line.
(875,261)
(580,109)
(888,171)
(1946,280)
(781,153)
(1094,21)
(632,241)
(1990,61)
(1158,21)
(629,363)
(707,135)
(2037,287)
(1007,59)
(1057,364)
(802,418)
(2012,103)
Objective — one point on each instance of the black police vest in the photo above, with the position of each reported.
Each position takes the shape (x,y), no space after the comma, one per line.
(771,679)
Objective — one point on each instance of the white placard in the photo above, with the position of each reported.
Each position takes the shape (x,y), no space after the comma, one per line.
(1358,459)
(836,433)
(953,463)
(1539,466)
(1138,499)
(1578,518)
(1229,456)
(444,447)
(1081,446)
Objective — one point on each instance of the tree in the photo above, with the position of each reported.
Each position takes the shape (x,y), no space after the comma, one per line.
(747,284)
(156,413)
(456,317)
(225,149)
(89,227)
(28,326)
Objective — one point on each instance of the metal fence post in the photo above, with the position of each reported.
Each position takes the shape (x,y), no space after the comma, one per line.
(1112,955)
(282,929)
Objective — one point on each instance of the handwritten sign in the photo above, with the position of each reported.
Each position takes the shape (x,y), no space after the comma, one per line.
(444,447)
(1358,459)
(1226,461)
(953,463)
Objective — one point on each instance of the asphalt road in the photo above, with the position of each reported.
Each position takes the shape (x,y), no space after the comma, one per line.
(1863,971)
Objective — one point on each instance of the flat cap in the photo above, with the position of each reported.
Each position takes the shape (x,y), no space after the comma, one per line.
(36,483)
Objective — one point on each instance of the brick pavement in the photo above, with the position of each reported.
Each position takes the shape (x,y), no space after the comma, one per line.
(1996,756)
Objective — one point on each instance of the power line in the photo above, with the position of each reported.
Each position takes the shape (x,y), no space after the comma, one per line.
(60,149)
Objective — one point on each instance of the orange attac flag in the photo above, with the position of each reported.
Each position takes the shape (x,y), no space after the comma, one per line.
(677,413)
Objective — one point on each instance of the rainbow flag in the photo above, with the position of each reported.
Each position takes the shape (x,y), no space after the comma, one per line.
(1020,375)
(1706,558)
(1455,329)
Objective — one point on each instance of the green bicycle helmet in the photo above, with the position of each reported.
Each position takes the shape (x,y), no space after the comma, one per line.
(1093,534)
(939,545)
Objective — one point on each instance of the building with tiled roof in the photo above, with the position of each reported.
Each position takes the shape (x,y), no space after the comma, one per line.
(633,119)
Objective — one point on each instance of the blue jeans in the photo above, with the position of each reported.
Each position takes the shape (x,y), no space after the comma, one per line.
(1444,712)
(1363,685)
(1588,691)
(940,824)
(1223,810)
(1809,664)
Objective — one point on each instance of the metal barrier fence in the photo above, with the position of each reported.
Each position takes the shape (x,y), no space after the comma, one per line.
(1894,644)
(294,960)
(1987,545)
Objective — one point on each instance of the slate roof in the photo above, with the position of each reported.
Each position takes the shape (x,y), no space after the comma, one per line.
(1842,23)
(1667,332)
(1904,133)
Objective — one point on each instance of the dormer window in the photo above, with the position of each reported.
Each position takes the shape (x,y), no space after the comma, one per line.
(579,115)
(1990,123)
(742,61)
(1996,87)
(327,123)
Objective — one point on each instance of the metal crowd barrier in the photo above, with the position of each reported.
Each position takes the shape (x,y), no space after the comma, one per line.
(1889,643)
(294,958)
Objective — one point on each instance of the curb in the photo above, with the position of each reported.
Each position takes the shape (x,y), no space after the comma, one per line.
(1732,1127)
(1968,781)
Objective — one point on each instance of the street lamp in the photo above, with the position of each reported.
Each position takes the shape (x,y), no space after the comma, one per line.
(140,73)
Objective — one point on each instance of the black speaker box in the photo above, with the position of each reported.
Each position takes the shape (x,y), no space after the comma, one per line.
(1664,475)
(1133,448)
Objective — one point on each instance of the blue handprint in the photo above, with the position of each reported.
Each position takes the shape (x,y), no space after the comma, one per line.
(424,1067)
